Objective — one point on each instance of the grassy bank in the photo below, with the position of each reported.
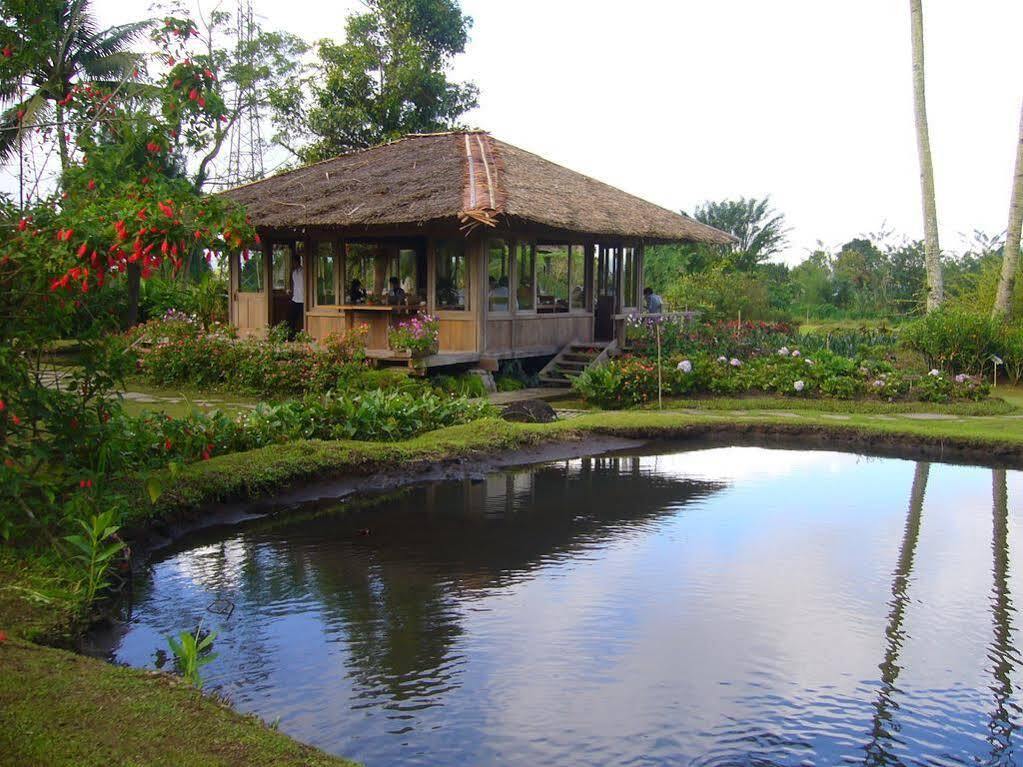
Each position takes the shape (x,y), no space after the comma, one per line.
(60,708)
(246,475)
(1001,405)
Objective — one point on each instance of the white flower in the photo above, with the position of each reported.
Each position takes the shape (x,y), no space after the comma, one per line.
(935,372)
(808,361)
(795,352)
(722,358)
(685,366)
(799,386)
(961,378)
(784,351)
(878,383)
(734,362)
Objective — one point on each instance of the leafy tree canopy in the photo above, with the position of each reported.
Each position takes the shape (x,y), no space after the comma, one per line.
(47,47)
(760,229)
(389,77)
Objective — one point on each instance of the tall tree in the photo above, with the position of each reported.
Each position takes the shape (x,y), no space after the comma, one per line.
(1010,256)
(760,229)
(49,45)
(932,248)
(389,77)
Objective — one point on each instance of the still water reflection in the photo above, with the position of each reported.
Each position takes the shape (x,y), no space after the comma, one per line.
(737,606)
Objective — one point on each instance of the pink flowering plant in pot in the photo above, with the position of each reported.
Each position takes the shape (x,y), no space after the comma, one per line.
(417,335)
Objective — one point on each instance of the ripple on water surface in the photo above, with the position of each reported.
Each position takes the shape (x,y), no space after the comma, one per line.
(728,606)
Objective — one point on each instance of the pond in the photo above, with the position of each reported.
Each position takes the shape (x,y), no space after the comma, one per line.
(714,606)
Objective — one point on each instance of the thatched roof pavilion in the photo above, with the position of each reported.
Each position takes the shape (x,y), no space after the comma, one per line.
(517,255)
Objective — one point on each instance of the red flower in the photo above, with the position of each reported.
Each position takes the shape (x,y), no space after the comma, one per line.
(16,420)
(167,445)
(3,406)
(3,637)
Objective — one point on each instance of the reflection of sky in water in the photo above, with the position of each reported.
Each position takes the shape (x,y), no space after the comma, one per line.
(719,606)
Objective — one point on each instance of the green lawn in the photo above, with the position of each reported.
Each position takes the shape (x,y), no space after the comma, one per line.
(60,708)
(139,396)
(828,326)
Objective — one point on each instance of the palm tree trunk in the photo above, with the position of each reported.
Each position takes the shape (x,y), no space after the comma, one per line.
(1010,257)
(932,250)
(134,288)
(62,139)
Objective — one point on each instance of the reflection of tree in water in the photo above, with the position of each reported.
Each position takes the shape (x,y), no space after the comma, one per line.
(886,705)
(391,593)
(1001,653)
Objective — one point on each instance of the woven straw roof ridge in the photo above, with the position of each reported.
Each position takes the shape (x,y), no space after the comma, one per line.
(423,177)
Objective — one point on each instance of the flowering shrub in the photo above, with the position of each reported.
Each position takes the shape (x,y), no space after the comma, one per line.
(182,352)
(716,338)
(417,335)
(629,381)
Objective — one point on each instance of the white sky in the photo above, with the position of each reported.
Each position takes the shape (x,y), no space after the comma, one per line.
(809,101)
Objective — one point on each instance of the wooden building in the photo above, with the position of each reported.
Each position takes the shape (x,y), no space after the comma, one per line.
(515,255)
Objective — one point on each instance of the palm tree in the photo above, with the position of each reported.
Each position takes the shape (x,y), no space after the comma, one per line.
(1010,257)
(79,50)
(932,250)
(760,229)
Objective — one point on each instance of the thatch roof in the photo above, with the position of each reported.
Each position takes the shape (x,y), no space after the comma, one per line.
(469,176)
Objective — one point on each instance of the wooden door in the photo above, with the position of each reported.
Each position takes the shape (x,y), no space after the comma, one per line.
(249,308)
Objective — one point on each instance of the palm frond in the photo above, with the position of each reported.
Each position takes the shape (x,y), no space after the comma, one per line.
(13,131)
(115,39)
(111,65)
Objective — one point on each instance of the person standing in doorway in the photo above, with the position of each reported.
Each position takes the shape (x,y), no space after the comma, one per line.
(652,301)
(296,311)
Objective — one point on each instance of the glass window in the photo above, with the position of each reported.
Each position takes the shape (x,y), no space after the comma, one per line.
(525,266)
(252,272)
(629,277)
(280,261)
(552,278)
(327,274)
(361,271)
(498,275)
(577,277)
(407,272)
(452,276)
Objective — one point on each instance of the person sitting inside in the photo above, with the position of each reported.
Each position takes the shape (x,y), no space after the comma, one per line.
(652,301)
(396,293)
(356,293)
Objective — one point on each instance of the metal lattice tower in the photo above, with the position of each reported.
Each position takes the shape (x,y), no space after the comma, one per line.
(245,158)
